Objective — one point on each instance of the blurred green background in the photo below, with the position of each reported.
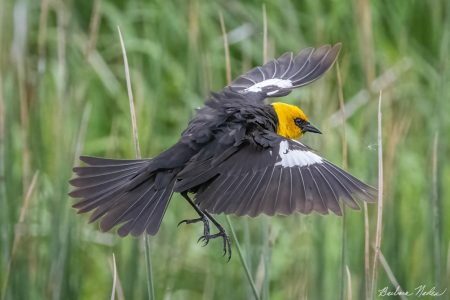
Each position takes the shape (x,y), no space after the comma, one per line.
(63,93)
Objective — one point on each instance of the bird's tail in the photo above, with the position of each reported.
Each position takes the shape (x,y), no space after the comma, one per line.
(123,192)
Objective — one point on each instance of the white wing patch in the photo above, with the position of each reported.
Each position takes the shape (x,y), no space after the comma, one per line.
(280,83)
(296,157)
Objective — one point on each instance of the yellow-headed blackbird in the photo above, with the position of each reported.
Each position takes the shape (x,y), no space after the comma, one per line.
(238,155)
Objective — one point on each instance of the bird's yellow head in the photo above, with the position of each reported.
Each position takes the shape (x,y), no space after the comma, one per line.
(292,121)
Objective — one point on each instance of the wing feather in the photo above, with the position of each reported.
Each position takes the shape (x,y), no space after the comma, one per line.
(329,198)
(300,61)
(285,62)
(279,76)
(253,205)
(319,201)
(343,189)
(266,189)
(249,187)
(269,201)
(285,179)
(232,200)
(356,184)
(309,190)
(216,187)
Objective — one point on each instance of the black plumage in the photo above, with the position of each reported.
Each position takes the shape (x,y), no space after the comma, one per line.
(232,156)
(251,182)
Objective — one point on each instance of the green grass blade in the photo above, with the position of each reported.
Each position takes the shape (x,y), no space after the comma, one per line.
(242,259)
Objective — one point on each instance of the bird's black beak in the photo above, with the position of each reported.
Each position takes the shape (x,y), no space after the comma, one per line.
(309,128)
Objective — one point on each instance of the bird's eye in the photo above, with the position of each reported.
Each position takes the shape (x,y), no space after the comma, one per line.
(300,122)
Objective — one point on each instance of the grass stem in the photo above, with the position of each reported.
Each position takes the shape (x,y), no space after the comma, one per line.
(137,148)
(366,251)
(148,267)
(349,284)
(435,211)
(391,275)
(344,166)
(242,259)
(114,267)
(148,262)
(18,233)
(226,48)
(265,40)
(380,202)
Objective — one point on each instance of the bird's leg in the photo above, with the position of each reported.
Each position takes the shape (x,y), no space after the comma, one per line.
(205,217)
(202,217)
(222,233)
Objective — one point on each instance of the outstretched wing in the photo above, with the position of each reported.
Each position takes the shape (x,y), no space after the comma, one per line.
(288,178)
(278,77)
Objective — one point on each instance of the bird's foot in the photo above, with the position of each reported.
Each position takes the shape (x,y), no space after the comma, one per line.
(225,238)
(203,219)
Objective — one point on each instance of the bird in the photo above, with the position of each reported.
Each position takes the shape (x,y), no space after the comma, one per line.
(239,155)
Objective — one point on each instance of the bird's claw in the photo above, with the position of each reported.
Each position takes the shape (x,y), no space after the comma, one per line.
(205,239)
(189,221)
(205,221)
(226,244)
(225,238)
